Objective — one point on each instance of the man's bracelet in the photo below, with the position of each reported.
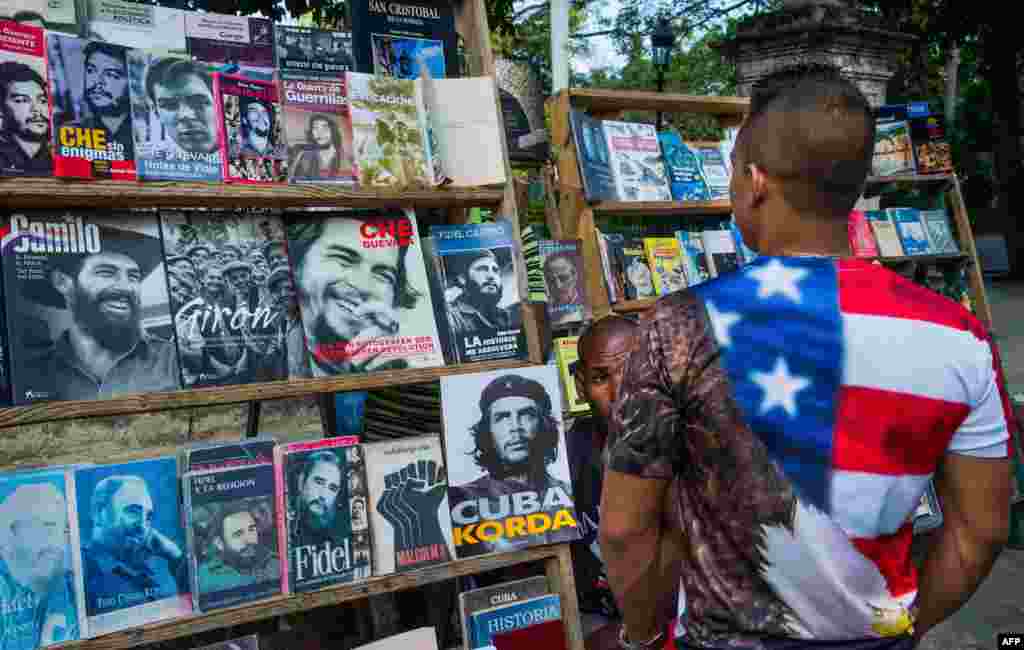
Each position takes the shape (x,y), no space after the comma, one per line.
(626,644)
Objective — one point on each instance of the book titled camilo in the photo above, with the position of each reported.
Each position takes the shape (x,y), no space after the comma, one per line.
(39,602)
(24,146)
(134,557)
(322,519)
(564,280)
(252,144)
(318,125)
(477,600)
(69,343)
(409,513)
(90,111)
(636,162)
(508,473)
(232,543)
(398,39)
(363,292)
(480,286)
(484,625)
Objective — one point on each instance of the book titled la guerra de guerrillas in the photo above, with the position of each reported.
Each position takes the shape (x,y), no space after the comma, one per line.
(322,518)
(318,126)
(409,511)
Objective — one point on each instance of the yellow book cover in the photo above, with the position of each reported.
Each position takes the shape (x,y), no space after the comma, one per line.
(666,261)
(567,356)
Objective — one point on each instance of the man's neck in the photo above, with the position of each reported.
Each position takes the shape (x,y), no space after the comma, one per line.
(93,356)
(257,142)
(802,235)
(326,154)
(113,122)
(30,147)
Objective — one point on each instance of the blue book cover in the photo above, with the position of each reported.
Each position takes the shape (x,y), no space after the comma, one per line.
(910,229)
(746,254)
(485,624)
(38,590)
(134,560)
(715,167)
(395,40)
(594,157)
(685,177)
(694,257)
(476,275)
(233,545)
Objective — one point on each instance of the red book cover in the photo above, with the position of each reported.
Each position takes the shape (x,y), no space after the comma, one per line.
(253,149)
(549,635)
(25,138)
(862,240)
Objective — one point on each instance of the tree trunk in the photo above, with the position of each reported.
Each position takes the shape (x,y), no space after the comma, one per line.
(1001,56)
(952,84)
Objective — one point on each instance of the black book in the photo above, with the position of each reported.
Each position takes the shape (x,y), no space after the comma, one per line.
(309,53)
(396,39)
(594,157)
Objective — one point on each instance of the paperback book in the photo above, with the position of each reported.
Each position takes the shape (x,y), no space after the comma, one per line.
(886,235)
(694,257)
(309,53)
(508,489)
(318,125)
(633,261)
(666,261)
(239,45)
(91,125)
(611,256)
(43,253)
(52,15)
(370,307)
(567,356)
(686,178)
(404,39)
(479,284)
(549,635)
(134,576)
(715,168)
(940,234)
(136,25)
(636,162)
(476,600)
(233,546)
(720,252)
(562,262)
(409,513)
(894,153)
(862,240)
(252,145)
(235,316)
(522,111)
(39,602)
(172,144)
(464,131)
(199,457)
(530,237)
(485,624)
(593,157)
(388,132)
(25,134)
(910,229)
(321,513)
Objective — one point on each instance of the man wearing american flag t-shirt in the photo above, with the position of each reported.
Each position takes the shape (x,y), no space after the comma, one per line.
(803,403)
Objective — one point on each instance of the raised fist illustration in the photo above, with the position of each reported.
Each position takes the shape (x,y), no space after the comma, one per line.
(410,502)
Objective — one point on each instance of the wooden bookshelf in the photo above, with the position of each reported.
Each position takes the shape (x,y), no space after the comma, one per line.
(633,306)
(52,193)
(556,558)
(663,208)
(922,259)
(600,102)
(910,178)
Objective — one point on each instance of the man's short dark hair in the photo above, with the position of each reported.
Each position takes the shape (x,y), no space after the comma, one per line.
(332,124)
(102,47)
(245,102)
(561,255)
(315,458)
(170,68)
(103,493)
(813,129)
(303,234)
(26,16)
(15,72)
(545,443)
(229,509)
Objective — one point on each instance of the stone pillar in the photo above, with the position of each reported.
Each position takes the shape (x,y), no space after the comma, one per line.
(817,31)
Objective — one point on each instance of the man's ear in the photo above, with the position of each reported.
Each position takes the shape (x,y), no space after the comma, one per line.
(62,282)
(758,184)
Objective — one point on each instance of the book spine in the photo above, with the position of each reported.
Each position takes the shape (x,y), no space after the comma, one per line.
(222,135)
(190,539)
(281,498)
(609,283)
(71,496)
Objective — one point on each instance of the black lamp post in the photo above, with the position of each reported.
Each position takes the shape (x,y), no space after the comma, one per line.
(662,41)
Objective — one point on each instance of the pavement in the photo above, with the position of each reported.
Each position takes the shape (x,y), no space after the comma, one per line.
(998,605)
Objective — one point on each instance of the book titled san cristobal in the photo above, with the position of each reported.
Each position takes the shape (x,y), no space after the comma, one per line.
(477,271)
(230,561)
(408,485)
(322,520)
(397,39)
(39,599)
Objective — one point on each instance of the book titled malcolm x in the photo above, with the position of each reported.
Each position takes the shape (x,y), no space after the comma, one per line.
(310,53)
(318,126)
(134,560)
(367,307)
(322,520)
(233,546)
(230,297)
(90,111)
(39,599)
(24,142)
(397,39)
(94,319)
(409,515)
(478,280)
(253,149)
(508,472)
(241,45)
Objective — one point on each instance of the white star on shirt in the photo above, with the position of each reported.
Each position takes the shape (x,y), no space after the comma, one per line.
(721,321)
(780,388)
(774,277)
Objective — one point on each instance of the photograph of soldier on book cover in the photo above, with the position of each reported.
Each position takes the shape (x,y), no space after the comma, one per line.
(24,102)
(508,470)
(319,130)
(309,53)
(404,57)
(94,318)
(253,145)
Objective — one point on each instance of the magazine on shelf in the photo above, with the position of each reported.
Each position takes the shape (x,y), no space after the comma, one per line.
(397,39)
(715,167)
(517,615)
(886,235)
(408,505)
(136,25)
(198,457)
(310,53)
(476,600)
(507,493)
(567,356)
(521,94)
(25,142)
(131,574)
(318,126)
(252,145)
(667,265)
(862,240)
(940,233)
(686,176)
(565,281)
(910,230)
(44,253)
(636,162)
(91,126)
(631,258)
(893,153)
(593,157)
(321,513)
(242,45)
(695,257)
(720,251)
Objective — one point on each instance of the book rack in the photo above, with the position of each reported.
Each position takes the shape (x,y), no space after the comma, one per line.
(17,194)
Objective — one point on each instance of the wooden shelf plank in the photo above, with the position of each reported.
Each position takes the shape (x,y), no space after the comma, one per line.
(663,208)
(927,259)
(51,193)
(604,101)
(910,178)
(150,402)
(281,605)
(633,306)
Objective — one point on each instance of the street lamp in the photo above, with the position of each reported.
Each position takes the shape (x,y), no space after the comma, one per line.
(662,41)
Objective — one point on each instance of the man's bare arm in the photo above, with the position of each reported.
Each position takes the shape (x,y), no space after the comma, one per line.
(975,496)
(631,536)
